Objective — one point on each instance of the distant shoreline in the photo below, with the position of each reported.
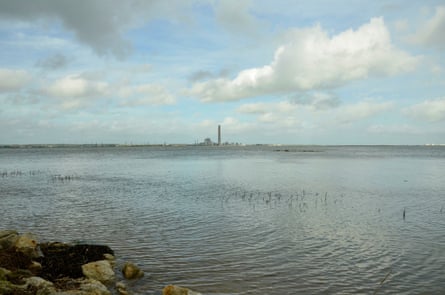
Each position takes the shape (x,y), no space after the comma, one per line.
(113,145)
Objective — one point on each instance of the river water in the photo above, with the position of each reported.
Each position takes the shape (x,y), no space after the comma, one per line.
(243,220)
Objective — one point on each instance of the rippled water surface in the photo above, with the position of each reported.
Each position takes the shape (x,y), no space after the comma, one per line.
(243,220)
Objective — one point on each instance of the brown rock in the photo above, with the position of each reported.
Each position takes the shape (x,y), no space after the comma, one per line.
(176,290)
(132,271)
(35,267)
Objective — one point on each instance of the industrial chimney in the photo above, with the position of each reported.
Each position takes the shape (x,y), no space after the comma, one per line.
(219,134)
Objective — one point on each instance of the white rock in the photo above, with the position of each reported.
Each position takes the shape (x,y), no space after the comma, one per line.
(38,282)
(94,287)
(99,270)
(110,259)
(43,286)
(27,244)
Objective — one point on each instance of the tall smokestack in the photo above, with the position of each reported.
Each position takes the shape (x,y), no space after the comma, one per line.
(219,134)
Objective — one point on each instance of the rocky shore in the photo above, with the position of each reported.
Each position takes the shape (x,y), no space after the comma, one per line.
(28,267)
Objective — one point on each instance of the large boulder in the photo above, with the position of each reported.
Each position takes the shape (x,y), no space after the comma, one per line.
(27,245)
(99,270)
(131,271)
(177,290)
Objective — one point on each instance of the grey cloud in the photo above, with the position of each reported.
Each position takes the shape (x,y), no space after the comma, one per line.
(53,62)
(13,80)
(22,99)
(200,75)
(206,75)
(95,23)
(317,100)
(431,33)
(235,16)
(99,24)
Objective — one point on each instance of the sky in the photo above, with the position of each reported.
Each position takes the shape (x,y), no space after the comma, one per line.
(269,72)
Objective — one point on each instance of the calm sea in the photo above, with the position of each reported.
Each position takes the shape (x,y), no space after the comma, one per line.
(243,220)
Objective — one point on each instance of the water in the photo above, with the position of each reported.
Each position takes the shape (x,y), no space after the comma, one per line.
(243,220)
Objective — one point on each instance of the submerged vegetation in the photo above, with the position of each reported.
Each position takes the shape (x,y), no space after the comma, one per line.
(32,173)
(301,200)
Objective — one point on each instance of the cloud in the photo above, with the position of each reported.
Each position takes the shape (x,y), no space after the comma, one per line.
(360,111)
(230,126)
(76,87)
(206,75)
(429,110)
(316,100)
(146,94)
(311,60)
(431,33)
(288,116)
(100,24)
(264,108)
(200,75)
(18,99)
(281,115)
(235,17)
(13,80)
(53,62)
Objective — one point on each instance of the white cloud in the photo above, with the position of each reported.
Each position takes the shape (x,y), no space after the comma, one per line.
(429,110)
(282,115)
(254,108)
(13,80)
(234,126)
(287,116)
(263,107)
(146,94)
(432,32)
(312,60)
(76,87)
(359,111)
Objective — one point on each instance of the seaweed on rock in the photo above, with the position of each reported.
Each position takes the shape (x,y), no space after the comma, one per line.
(61,260)
(13,260)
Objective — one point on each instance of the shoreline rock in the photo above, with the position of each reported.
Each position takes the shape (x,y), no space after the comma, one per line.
(131,271)
(28,267)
